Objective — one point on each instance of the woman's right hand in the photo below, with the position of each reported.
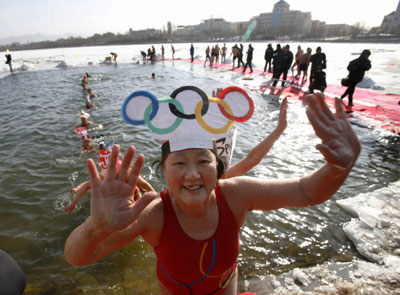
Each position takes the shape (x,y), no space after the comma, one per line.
(112,206)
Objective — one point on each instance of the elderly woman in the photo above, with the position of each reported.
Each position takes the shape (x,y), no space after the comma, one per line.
(194,225)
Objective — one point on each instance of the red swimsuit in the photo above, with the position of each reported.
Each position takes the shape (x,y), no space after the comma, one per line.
(188,266)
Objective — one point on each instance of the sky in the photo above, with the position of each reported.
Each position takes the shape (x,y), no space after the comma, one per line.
(87,17)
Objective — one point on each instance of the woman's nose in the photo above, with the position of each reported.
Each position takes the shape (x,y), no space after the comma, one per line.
(192,172)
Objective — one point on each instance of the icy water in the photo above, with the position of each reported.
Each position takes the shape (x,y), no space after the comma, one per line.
(40,162)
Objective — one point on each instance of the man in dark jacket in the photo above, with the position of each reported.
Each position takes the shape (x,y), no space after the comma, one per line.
(318,63)
(269,52)
(283,64)
(249,59)
(275,56)
(357,69)
(9,60)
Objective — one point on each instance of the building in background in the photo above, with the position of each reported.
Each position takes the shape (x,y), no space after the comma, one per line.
(391,22)
(283,22)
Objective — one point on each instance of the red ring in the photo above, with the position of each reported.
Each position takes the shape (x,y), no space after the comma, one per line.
(243,118)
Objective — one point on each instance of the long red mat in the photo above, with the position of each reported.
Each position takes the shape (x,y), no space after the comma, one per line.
(374,108)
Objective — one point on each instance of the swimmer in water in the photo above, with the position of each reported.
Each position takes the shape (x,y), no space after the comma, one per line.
(87,146)
(88,103)
(91,94)
(153,76)
(84,81)
(114,55)
(84,120)
(199,213)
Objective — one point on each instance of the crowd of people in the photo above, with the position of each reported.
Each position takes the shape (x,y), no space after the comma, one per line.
(280,60)
(151,54)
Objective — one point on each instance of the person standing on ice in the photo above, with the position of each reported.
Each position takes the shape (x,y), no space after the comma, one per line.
(192,52)
(249,59)
(9,60)
(357,69)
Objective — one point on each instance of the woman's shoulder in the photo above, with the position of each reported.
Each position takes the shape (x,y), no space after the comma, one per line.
(233,189)
(151,219)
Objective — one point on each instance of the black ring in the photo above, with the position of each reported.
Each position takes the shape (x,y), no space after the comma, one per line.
(200,92)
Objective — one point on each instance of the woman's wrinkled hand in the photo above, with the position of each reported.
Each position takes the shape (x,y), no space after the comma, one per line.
(340,145)
(112,206)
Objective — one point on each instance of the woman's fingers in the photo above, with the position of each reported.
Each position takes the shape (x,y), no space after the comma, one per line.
(93,173)
(339,109)
(316,103)
(126,162)
(135,170)
(324,107)
(112,166)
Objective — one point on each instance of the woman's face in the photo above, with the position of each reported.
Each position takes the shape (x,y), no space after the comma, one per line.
(191,175)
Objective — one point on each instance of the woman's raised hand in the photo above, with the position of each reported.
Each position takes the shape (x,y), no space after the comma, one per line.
(112,206)
(340,145)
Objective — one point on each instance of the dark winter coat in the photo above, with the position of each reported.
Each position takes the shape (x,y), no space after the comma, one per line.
(357,69)
(318,61)
(269,52)
(285,60)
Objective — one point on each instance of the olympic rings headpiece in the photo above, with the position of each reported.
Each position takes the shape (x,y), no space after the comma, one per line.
(188,116)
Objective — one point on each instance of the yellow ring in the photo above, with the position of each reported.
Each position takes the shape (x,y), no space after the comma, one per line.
(207,127)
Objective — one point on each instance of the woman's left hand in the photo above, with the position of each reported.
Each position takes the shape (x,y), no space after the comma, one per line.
(340,145)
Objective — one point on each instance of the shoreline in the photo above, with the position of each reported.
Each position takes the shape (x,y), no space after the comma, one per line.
(31,46)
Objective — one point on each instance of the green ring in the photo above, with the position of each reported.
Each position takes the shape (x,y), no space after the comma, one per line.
(169,129)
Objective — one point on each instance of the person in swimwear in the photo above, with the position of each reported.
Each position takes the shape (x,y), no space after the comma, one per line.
(85,186)
(84,81)
(84,120)
(88,103)
(303,65)
(87,146)
(296,64)
(194,224)
(114,56)
(91,94)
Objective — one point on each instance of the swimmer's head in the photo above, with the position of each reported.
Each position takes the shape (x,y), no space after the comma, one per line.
(166,150)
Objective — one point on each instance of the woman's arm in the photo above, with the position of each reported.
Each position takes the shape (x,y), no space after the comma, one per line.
(81,191)
(112,209)
(84,185)
(144,185)
(340,148)
(259,151)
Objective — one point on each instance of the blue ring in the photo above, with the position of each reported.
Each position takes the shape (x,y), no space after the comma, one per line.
(133,95)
